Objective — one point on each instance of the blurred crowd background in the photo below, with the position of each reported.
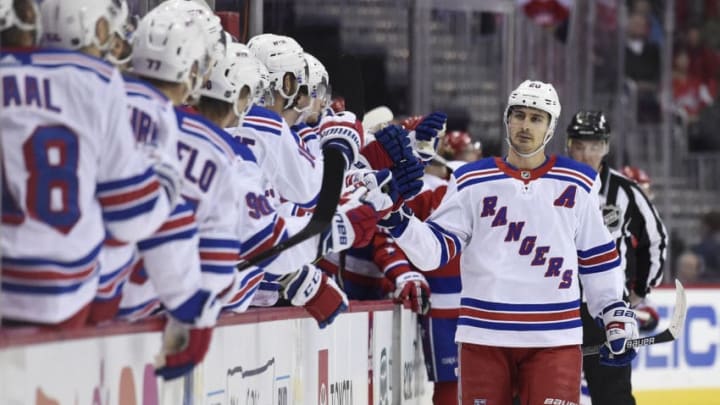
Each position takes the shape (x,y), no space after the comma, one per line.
(653,66)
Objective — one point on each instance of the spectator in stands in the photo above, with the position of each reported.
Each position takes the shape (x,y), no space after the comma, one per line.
(709,247)
(688,268)
(642,64)
(690,92)
(703,61)
(711,24)
(655,29)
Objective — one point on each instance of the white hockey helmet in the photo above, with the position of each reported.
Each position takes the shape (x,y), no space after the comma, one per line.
(70,24)
(230,75)
(318,80)
(165,47)
(538,95)
(122,27)
(212,30)
(9,18)
(281,55)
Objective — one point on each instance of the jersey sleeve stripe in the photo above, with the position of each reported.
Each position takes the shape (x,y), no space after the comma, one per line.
(265,238)
(597,250)
(600,267)
(110,285)
(248,286)
(602,258)
(449,243)
(219,256)
(139,311)
(109,190)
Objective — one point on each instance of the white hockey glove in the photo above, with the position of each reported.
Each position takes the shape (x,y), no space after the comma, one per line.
(313,290)
(361,206)
(342,132)
(619,324)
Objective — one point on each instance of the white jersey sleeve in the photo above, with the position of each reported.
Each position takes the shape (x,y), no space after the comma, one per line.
(432,244)
(602,277)
(72,171)
(289,165)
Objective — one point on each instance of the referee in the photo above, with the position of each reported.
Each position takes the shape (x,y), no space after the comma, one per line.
(641,240)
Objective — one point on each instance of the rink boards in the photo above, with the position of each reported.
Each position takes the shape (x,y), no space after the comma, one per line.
(687,371)
(267,357)
(280,357)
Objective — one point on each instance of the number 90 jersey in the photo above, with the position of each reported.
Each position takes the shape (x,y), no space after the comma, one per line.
(71,170)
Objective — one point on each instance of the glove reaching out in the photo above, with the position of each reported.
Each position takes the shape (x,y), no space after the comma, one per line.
(343,132)
(312,289)
(413,287)
(427,135)
(391,146)
(619,323)
(361,207)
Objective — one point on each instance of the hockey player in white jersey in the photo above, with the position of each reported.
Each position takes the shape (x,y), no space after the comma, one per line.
(194,237)
(64,113)
(290,166)
(313,97)
(527,227)
(225,98)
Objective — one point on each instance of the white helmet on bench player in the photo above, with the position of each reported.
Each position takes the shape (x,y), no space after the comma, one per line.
(282,56)
(237,70)
(70,24)
(165,47)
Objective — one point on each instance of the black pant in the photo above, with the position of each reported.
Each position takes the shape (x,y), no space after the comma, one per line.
(607,385)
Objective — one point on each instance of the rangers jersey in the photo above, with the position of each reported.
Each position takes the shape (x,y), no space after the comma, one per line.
(169,258)
(72,171)
(285,160)
(526,236)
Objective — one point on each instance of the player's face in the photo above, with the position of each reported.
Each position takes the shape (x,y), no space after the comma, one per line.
(527,127)
(588,151)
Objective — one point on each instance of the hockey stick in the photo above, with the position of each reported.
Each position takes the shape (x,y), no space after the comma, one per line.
(328,198)
(673,331)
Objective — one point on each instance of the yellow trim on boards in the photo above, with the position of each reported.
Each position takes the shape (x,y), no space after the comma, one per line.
(710,396)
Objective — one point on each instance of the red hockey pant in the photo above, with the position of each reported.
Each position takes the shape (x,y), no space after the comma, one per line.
(493,375)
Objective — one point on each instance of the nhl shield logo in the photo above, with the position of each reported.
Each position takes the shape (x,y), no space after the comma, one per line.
(525,175)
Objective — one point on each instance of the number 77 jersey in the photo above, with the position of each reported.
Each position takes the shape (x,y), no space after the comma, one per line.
(71,171)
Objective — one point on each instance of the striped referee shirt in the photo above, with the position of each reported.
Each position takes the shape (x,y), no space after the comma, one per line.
(639,233)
